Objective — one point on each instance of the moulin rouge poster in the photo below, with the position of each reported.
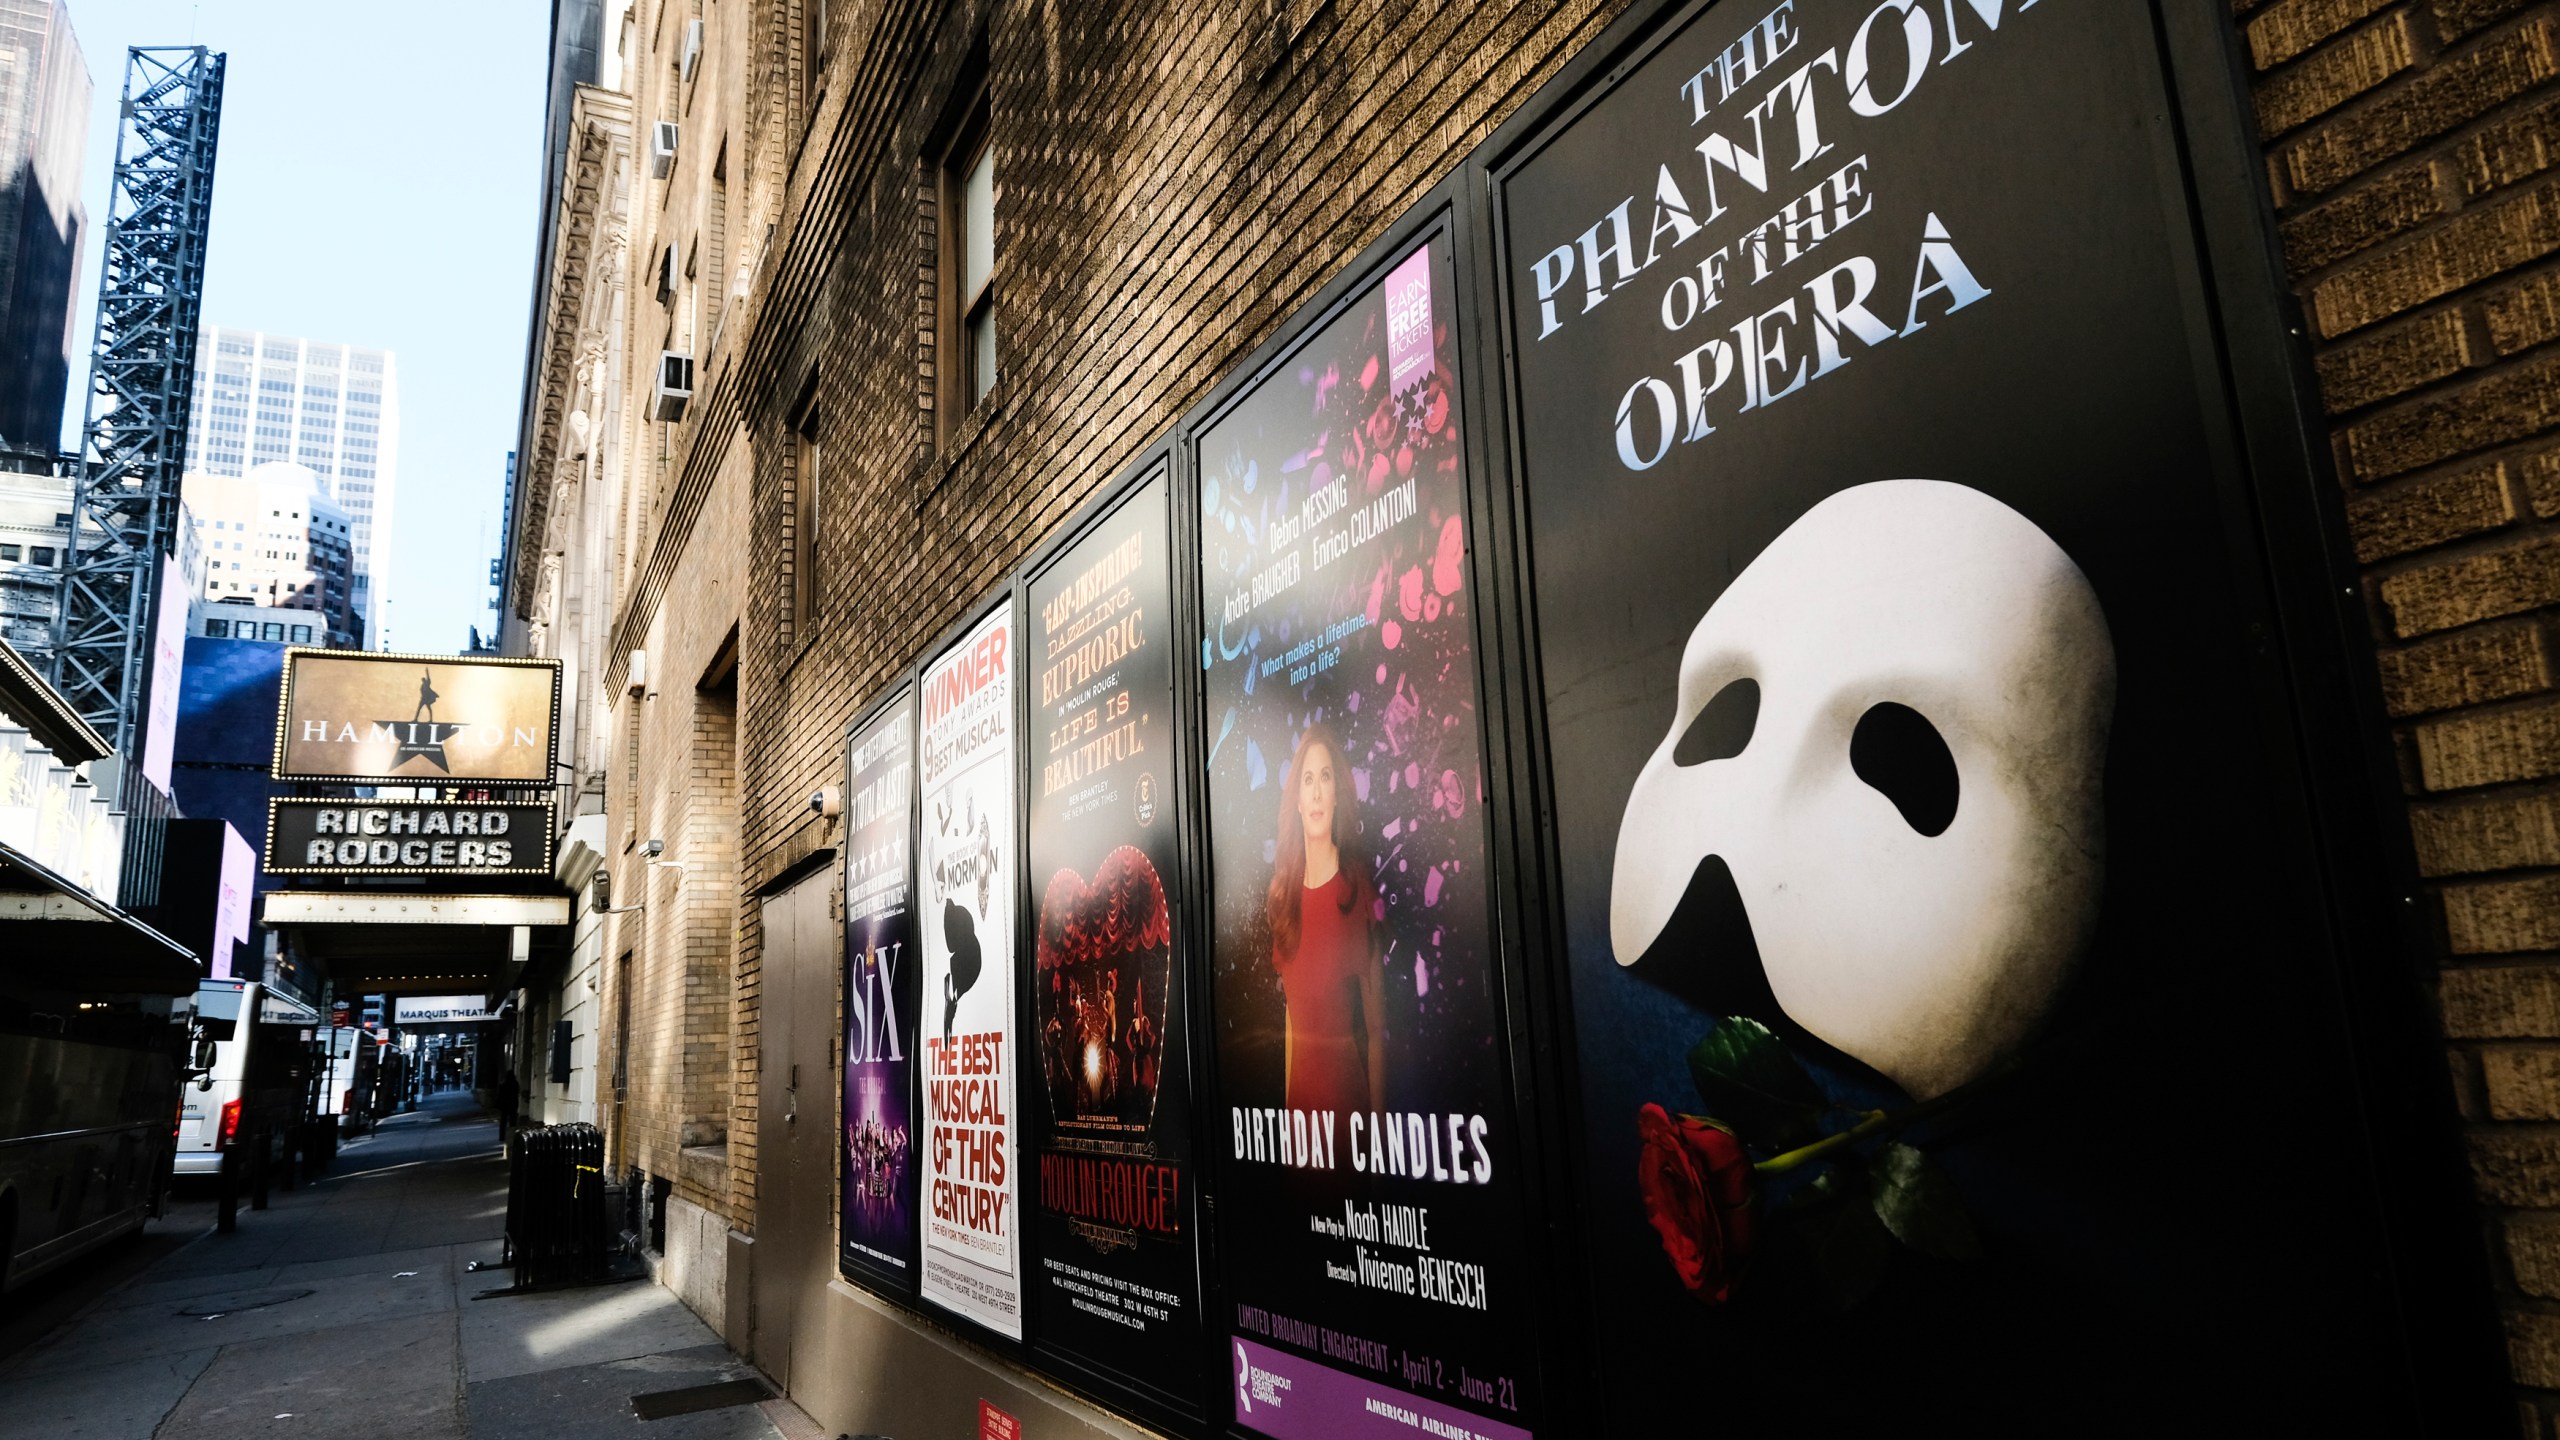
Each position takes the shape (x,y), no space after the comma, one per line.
(882,962)
(1369,1196)
(972,1223)
(1113,1179)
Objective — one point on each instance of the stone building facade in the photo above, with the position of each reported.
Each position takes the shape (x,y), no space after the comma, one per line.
(734,577)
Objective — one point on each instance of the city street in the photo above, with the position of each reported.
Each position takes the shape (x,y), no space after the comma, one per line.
(348,1308)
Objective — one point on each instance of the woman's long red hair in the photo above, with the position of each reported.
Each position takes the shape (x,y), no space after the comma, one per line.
(1289,862)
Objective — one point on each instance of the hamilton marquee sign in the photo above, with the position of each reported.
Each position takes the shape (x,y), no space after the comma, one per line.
(408,837)
(432,719)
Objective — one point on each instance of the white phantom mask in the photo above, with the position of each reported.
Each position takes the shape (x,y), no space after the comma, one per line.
(1912,816)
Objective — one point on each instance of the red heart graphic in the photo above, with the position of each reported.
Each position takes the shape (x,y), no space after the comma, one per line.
(1103,966)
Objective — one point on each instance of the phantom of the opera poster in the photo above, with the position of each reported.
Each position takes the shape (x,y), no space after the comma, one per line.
(1910,811)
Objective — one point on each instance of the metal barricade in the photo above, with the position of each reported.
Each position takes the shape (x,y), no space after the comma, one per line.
(557,1229)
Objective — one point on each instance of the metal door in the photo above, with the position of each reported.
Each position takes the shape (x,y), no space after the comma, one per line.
(795,1164)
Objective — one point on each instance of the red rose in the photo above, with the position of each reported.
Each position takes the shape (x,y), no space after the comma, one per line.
(1697,1185)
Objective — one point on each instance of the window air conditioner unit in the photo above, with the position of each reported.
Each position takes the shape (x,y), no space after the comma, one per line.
(675,385)
(662,148)
(638,679)
(667,275)
(692,48)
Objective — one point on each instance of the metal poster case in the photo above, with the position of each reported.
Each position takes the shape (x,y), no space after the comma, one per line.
(877,1227)
(1117,1282)
(1370,1167)
(972,1228)
(1900,646)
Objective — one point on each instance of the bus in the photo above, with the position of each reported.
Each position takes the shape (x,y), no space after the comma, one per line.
(88,1092)
(257,1089)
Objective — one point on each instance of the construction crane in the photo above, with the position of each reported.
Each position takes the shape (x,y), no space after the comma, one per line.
(133,434)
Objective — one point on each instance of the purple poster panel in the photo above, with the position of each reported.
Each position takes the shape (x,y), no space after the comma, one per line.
(1370,1191)
(1118,1284)
(881,965)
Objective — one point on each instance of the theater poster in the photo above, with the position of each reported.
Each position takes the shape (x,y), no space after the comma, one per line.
(972,1221)
(1370,1173)
(1115,1284)
(1891,585)
(882,965)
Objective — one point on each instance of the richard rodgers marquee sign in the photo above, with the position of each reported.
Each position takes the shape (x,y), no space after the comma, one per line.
(408,837)
(347,715)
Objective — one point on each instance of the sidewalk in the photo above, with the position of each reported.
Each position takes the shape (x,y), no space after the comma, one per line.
(347,1309)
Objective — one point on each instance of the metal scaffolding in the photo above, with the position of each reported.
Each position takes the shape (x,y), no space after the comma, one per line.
(133,436)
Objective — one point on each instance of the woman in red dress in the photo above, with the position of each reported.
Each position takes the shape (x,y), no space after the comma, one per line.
(1324,942)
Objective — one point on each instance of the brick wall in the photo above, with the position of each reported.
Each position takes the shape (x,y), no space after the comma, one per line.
(2413,151)
(685,992)
(1161,210)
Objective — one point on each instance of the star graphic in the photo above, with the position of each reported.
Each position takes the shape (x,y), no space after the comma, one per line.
(422,740)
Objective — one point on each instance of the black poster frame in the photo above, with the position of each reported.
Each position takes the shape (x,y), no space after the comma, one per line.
(1454,209)
(1174,1411)
(2283,505)
(901,689)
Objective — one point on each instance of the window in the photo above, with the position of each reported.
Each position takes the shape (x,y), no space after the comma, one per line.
(813,40)
(714,240)
(804,511)
(968,207)
(977,258)
(301,634)
(273,630)
(40,554)
(218,629)
(622,1025)
(12,552)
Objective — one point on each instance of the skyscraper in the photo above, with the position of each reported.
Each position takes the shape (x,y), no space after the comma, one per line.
(334,409)
(274,539)
(44,121)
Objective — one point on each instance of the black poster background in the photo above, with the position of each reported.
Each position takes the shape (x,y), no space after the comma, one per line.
(1371,635)
(2171,1165)
(883,965)
(1117,1284)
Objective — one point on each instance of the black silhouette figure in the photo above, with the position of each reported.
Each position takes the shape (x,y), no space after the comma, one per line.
(960,934)
(427,698)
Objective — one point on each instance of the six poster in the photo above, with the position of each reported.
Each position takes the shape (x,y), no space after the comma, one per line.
(878,1229)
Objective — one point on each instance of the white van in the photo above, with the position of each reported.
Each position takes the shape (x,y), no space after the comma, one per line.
(256,1084)
(338,1093)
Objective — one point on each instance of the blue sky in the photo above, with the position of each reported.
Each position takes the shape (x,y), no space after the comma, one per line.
(377,185)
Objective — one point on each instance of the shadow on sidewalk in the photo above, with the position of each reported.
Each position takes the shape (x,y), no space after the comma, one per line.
(347,1308)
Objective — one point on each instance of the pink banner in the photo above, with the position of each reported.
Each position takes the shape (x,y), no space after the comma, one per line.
(1409,345)
(1290,1398)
